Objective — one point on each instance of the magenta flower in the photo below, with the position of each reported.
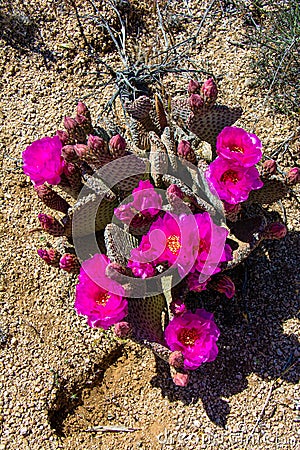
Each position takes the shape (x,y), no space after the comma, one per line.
(231,181)
(98,297)
(188,242)
(195,335)
(238,146)
(141,270)
(146,204)
(42,161)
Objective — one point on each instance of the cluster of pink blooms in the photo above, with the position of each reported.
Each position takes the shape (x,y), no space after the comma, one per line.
(233,175)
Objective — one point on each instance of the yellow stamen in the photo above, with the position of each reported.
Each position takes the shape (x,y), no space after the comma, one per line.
(188,337)
(229,175)
(173,244)
(237,149)
(102,299)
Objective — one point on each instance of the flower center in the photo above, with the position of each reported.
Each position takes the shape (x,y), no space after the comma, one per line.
(102,298)
(173,244)
(188,336)
(229,175)
(235,148)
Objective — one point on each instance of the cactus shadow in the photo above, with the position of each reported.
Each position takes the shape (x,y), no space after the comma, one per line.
(252,338)
(20,31)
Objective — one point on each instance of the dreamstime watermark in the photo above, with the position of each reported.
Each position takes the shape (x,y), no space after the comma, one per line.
(123,174)
(198,440)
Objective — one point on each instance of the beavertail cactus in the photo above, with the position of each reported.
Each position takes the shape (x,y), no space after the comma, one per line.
(168,222)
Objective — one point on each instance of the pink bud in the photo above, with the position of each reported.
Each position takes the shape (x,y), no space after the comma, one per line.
(73,176)
(224,285)
(178,307)
(81,120)
(115,271)
(122,329)
(174,190)
(209,92)
(193,87)
(81,150)
(50,256)
(176,359)
(196,102)
(269,167)
(184,150)
(275,230)
(181,379)
(82,110)
(95,143)
(70,124)
(63,136)
(68,153)
(293,176)
(51,225)
(117,146)
(69,263)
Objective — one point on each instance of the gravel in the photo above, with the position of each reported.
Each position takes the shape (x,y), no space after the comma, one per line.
(58,377)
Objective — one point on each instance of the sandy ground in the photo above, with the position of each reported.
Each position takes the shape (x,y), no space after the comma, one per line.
(59,377)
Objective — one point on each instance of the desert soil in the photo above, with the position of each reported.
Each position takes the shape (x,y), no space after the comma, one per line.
(60,378)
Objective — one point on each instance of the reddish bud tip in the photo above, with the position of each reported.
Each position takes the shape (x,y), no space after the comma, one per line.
(122,329)
(209,91)
(95,143)
(50,256)
(196,102)
(70,124)
(117,146)
(181,379)
(293,176)
(82,109)
(193,87)
(269,167)
(68,153)
(176,359)
(69,263)
(81,150)
(275,230)
(63,136)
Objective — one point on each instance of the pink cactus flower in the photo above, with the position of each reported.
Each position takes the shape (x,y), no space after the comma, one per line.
(146,204)
(238,146)
(232,182)
(188,242)
(195,335)
(43,162)
(97,297)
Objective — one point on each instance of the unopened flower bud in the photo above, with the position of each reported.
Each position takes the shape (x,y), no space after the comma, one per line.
(50,256)
(181,379)
(122,329)
(70,124)
(95,143)
(73,175)
(117,146)
(63,136)
(115,271)
(193,87)
(178,307)
(293,176)
(176,359)
(185,151)
(84,126)
(174,191)
(68,153)
(81,150)
(275,230)
(69,263)
(269,167)
(224,285)
(82,110)
(51,225)
(51,198)
(209,92)
(196,102)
